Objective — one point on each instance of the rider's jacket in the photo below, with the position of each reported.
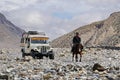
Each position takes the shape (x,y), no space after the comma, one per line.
(76,40)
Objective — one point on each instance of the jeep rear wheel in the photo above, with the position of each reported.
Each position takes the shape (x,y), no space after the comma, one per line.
(23,55)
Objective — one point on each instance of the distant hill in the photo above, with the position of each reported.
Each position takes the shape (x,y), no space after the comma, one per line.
(9,33)
(102,33)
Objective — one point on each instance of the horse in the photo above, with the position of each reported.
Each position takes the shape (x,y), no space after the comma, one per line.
(77,49)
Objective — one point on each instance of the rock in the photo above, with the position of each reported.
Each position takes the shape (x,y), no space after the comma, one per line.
(61,73)
(62,55)
(27,58)
(9,70)
(53,72)
(116,68)
(2,51)
(4,57)
(22,74)
(6,77)
(36,77)
(17,59)
(64,68)
(47,76)
(98,67)
(70,66)
(109,78)
(82,78)
(118,75)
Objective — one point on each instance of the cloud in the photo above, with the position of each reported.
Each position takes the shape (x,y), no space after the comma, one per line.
(57,17)
(96,2)
(34,18)
(8,5)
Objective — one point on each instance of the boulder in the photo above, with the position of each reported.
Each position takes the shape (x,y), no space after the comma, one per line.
(4,77)
(2,51)
(28,58)
(98,67)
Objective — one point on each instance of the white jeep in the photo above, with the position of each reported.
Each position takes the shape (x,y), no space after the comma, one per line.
(36,44)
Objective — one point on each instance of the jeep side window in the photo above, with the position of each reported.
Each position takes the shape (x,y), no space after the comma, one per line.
(28,42)
(45,41)
(25,40)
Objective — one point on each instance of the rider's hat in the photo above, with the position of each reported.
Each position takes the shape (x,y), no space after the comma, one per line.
(77,33)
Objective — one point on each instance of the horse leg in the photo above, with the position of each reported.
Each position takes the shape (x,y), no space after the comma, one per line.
(80,57)
(76,57)
(73,57)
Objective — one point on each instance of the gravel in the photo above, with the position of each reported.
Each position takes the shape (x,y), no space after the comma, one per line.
(14,67)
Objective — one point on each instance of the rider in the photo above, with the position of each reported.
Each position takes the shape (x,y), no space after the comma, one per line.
(76,40)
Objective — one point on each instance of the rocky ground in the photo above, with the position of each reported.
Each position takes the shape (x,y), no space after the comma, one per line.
(14,67)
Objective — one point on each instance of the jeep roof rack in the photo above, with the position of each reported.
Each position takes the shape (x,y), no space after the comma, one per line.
(35,33)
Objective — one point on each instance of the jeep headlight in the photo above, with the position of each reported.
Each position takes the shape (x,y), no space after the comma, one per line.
(35,49)
(51,49)
(38,47)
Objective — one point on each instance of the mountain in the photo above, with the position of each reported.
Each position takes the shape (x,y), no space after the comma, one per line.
(9,33)
(101,33)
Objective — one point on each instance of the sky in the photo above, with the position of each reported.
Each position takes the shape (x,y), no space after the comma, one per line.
(56,17)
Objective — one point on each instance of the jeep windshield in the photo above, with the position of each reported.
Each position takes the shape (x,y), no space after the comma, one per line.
(39,40)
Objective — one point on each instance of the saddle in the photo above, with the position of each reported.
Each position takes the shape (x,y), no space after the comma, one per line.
(75,46)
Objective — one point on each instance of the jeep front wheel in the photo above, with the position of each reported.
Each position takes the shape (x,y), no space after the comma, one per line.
(51,56)
(40,56)
(32,54)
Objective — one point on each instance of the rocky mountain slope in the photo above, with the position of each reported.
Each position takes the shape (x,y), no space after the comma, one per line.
(102,33)
(9,33)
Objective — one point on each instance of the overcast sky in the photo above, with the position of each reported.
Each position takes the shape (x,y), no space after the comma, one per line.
(56,17)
